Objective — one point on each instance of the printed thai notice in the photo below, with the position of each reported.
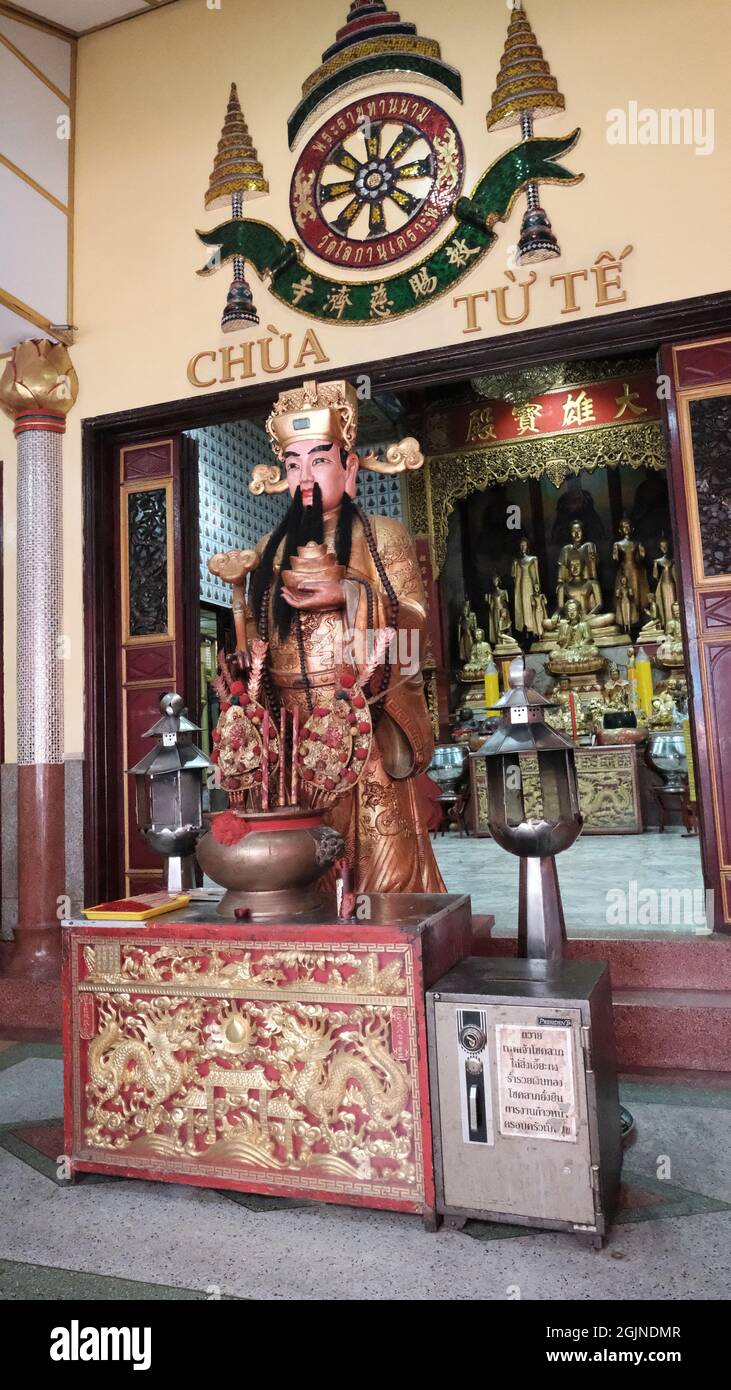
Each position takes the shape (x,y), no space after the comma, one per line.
(537,1094)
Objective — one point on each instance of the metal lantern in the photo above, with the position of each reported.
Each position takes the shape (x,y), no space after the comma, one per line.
(533,808)
(170,792)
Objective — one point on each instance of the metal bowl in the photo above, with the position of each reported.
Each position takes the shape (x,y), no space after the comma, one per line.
(447,765)
(274,869)
(666,754)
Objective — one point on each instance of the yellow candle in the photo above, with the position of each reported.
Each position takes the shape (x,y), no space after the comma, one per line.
(644,680)
(632,678)
(492,685)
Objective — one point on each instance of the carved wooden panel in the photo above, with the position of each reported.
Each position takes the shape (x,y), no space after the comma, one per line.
(147,461)
(710,423)
(717,698)
(702,364)
(714,610)
(699,478)
(150,663)
(608,785)
(275,1059)
(147,539)
(151,627)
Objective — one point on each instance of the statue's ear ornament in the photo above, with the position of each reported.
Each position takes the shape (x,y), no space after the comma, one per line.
(400,458)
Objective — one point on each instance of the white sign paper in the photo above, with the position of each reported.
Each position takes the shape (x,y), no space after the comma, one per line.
(536,1090)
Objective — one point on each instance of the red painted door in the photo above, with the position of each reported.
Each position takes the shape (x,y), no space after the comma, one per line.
(699,473)
(157,591)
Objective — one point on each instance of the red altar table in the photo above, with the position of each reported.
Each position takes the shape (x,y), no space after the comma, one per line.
(286,1059)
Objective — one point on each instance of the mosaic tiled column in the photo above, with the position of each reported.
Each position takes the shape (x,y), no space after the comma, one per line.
(37,389)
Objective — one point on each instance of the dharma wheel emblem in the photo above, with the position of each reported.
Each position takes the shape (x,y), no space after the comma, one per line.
(377,180)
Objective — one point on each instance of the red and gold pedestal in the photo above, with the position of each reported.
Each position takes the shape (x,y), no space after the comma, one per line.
(284,1059)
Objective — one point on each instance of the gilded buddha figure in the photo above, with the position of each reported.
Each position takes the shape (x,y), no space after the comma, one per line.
(500,625)
(584,591)
(578,549)
(530,604)
(671,651)
(575,651)
(467,633)
(630,587)
(665,576)
(321,628)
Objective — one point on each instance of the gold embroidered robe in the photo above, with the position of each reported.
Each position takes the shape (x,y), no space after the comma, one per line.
(381,820)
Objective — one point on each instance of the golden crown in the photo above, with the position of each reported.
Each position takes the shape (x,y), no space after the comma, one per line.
(324,410)
(314,410)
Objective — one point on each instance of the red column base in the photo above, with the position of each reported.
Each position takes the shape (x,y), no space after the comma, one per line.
(36,953)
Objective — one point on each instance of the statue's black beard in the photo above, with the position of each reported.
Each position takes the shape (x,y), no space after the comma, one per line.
(299,525)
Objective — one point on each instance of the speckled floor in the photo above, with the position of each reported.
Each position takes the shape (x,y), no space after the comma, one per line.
(112,1239)
(593,874)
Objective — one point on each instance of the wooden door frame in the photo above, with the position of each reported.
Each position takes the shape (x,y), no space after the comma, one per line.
(619,333)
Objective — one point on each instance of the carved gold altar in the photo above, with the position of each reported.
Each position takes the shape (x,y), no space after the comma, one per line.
(447,477)
(609,791)
(272,1059)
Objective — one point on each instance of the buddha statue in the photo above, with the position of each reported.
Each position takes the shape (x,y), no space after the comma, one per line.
(481,655)
(500,627)
(467,633)
(472,675)
(630,586)
(577,549)
(652,631)
(670,652)
(530,603)
(575,651)
(585,592)
(665,575)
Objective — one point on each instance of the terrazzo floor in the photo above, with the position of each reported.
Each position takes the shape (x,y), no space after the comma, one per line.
(592,874)
(113,1239)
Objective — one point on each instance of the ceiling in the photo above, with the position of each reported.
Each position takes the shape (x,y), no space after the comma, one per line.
(80,16)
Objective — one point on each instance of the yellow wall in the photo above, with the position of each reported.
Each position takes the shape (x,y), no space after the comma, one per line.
(151,100)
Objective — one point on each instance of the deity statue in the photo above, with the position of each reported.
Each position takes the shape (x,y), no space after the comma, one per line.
(467,633)
(624,606)
(575,651)
(586,591)
(481,655)
(652,631)
(587,594)
(665,574)
(530,603)
(615,691)
(671,652)
(630,588)
(319,629)
(578,549)
(499,621)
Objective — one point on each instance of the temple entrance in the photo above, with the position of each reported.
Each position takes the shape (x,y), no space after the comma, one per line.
(544,525)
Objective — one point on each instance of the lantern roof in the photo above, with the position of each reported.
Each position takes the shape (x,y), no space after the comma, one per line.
(520,689)
(174,757)
(523,738)
(174,718)
(522,728)
(175,750)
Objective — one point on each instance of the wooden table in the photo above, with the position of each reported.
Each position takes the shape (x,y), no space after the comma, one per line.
(287,1059)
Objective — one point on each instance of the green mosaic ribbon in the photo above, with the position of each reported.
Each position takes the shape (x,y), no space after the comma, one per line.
(382,299)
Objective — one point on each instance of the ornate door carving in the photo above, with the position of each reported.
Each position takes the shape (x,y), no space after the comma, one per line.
(699,475)
(157,612)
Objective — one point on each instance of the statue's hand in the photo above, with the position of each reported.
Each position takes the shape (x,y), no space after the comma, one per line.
(311,595)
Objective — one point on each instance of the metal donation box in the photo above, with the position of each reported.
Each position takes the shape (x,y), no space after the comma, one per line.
(524,1094)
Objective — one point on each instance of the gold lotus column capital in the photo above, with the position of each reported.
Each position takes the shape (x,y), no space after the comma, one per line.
(39,386)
